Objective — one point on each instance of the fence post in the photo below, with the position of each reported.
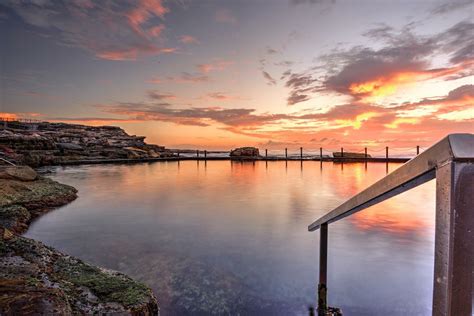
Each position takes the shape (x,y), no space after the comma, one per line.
(205,154)
(386,152)
(301,153)
(178,153)
(417,150)
(286,153)
(342,152)
(197,153)
(321,153)
(323,265)
(266,153)
(365,152)
(454,253)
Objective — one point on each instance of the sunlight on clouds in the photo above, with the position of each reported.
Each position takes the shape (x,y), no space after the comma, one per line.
(462,115)
(397,122)
(357,122)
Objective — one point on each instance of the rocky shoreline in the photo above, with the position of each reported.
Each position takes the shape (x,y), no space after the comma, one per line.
(38,280)
(43,143)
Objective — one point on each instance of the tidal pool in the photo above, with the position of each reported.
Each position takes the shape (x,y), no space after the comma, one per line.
(231,238)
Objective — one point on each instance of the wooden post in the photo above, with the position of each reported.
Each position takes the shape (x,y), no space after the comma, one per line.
(386,152)
(417,150)
(205,154)
(178,153)
(301,153)
(342,152)
(323,267)
(365,152)
(197,153)
(266,153)
(321,153)
(286,153)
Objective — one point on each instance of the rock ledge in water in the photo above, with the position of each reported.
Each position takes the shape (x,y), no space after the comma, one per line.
(39,280)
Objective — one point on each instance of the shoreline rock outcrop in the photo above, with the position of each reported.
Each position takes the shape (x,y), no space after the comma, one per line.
(38,280)
(44,143)
(244,153)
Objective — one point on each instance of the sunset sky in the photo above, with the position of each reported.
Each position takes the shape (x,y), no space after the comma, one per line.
(221,74)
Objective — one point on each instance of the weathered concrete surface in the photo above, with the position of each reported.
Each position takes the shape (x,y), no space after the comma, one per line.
(38,280)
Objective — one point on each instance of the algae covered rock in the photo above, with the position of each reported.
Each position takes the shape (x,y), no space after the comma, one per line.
(36,279)
(21,201)
(22,173)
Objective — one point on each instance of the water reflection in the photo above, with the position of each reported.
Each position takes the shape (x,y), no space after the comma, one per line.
(225,238)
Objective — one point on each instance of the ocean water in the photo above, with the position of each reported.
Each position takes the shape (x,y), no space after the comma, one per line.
(231,238)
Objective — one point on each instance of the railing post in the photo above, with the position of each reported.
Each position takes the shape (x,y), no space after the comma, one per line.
(301,153)
(286,153)
(197,153)
(454,242)
(342,152)
(365,151)
(266,153)
(417,150)
(386,152)
(323,265)
(205,154)
(321,153)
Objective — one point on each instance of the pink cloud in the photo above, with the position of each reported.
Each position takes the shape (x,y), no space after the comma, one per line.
(188,39)
(218,65)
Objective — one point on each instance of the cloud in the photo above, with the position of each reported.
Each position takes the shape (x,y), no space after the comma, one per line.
(450,6)
(225,16)
(220,96)
(404,58)
(109,29)
(188,39)
(297,2)
(155,95)
(270,80)
(216,65)
(187,77)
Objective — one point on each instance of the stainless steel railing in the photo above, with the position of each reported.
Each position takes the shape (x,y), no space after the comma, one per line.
(451,162)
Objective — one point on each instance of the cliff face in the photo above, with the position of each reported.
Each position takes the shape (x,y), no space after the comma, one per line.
(38,144)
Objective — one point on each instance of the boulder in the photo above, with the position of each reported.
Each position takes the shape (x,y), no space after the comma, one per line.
(245,152)
(22,173)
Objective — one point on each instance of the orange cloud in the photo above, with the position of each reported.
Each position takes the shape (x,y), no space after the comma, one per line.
(144,11)
(218,65)
(8,116)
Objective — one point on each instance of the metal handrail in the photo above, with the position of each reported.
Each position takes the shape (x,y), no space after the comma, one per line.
(451,162)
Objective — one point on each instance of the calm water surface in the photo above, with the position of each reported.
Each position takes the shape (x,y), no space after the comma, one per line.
(231,238)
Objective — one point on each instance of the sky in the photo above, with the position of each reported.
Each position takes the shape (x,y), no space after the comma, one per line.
(222,74)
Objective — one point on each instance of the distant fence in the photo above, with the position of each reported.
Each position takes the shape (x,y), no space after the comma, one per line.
(321,153)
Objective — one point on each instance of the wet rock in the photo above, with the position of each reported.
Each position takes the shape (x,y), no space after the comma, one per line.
(39,280)
(22,201)
(22,173)
(245,153)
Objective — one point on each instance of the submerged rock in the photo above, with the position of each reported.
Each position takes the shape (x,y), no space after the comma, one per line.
(39,280)
(245,153)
